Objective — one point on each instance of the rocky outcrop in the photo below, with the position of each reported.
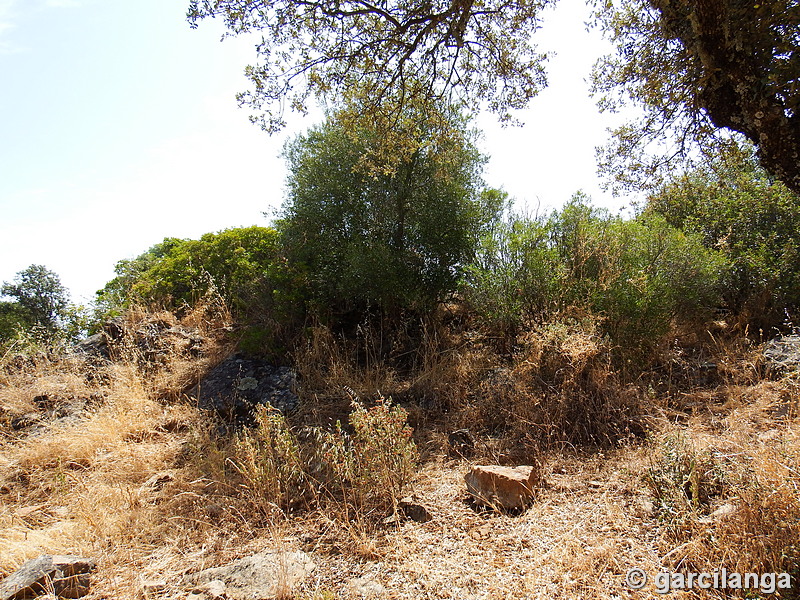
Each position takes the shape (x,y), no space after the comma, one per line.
(264,575)
(67,576)
(503,488)
(238,385)
(151,341)
(782,354)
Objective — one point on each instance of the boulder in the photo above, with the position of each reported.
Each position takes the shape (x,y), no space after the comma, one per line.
(67,576)
(782,354)
(239,384)
(264,575)
(503,488)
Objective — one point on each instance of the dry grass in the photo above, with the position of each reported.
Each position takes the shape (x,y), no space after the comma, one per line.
(140,480)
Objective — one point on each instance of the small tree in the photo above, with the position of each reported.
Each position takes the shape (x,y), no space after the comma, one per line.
(40,299)
(394,238)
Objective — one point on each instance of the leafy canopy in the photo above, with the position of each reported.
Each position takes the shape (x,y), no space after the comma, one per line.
(701,70)
(394,239)
(738,209)
(385,56)
(242,264)
(40,300)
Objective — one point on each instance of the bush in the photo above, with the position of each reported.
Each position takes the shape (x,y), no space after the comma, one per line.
(637,274)
(738,209)
(366,466)
(243,265)
(394,239)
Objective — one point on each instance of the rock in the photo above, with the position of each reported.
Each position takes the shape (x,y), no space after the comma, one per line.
(154,586)
(723,511)
(461,442)
(782,354)
(66,575)
(96,345)
(157,481)
(504,488)
(645,508)
(412,509)
(214,589)
(25,421)
(366,587)
(239,384)
(262,575)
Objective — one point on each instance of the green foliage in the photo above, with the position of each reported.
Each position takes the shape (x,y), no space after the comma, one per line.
(699,70)
(12,318)
(385,58)
(377,460)
(270,462)
(40,297)
(396,239)
(243,265)
(40,311)
(637,274)
(738,209)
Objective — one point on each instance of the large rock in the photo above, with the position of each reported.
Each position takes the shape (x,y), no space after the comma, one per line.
(67,576)
(503,488)
(152,341)
(782,354)
(264,575)
(239,384)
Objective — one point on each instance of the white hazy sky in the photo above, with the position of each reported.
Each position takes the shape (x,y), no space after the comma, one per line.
(119,127)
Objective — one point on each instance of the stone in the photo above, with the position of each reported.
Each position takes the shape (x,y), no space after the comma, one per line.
(503,488)
(366,587)
(157,481)
(461,442)
(723,511)
(239,384)
(411,508)
(263,575)
(214,589)
(24,421)
(154,586)
(66,575)
(782,354)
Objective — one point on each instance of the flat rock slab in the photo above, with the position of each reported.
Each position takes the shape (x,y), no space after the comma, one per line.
(66,575)
(257,577)
(504,488)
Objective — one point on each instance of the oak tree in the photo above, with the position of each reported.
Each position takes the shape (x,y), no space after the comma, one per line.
(702,70)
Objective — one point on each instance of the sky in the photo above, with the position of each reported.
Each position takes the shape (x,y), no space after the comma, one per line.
(119,127)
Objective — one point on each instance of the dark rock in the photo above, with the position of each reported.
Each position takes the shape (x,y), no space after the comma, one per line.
(67,576)
(415,511)
(461,442)
(25,421)
(96,345)
(239,384)
(782,354)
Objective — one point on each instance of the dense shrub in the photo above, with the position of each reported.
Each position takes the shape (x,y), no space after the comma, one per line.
(393,239)
(637,274)
(243,265)
(738,209)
